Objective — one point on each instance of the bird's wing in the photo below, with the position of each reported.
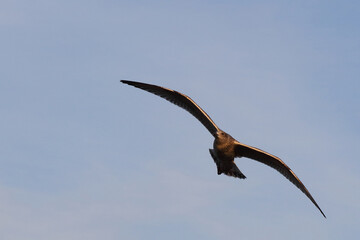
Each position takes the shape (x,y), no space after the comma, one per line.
(180,100)
(243,150)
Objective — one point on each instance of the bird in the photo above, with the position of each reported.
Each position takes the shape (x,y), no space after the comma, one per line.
(225,147)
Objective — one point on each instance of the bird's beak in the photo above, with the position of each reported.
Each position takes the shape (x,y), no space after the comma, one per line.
(218,134)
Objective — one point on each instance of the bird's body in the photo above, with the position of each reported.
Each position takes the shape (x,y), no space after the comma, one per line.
(225,147)
(224,155)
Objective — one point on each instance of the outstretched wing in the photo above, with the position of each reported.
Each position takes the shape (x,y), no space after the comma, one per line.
(243,150)
(180,100)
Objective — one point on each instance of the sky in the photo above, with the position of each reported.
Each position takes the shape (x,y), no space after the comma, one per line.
(83,156)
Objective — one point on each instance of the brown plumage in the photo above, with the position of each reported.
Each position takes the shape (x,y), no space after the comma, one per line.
(225,147)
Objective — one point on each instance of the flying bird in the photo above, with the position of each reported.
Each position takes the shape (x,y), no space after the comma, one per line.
(225,147)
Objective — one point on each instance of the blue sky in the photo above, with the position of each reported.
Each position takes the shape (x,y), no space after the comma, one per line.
(85,157)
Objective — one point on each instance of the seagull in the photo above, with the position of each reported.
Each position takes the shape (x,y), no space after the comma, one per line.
(225,147)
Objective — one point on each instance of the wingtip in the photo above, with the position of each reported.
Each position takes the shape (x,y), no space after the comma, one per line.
(128,82)
(321,211)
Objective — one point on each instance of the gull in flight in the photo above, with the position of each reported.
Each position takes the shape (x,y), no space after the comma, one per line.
(225,147)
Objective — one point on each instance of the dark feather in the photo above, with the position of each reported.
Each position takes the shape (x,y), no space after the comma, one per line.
(180,100)
(259,155)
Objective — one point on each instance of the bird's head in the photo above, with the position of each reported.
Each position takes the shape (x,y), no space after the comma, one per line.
(222,136)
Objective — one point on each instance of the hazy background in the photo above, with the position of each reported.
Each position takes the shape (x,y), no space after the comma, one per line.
(83,156)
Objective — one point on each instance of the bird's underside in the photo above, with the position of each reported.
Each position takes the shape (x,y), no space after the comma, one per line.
(229,168)
(225,147)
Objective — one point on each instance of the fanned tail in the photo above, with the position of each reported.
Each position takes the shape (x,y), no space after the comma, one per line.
(234,170)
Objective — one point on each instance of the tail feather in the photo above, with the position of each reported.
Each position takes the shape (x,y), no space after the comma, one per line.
(235,172)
